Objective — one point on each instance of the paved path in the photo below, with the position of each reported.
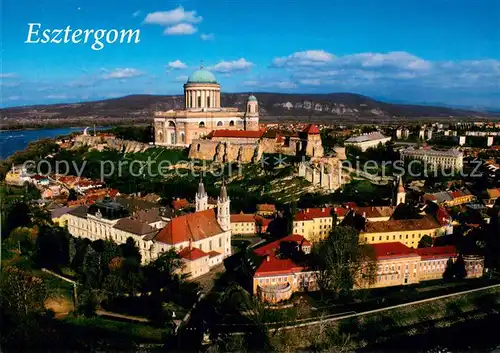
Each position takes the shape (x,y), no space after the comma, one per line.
(101,312)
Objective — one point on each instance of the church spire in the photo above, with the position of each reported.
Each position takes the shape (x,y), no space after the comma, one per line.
(201,187)
(223,190)
(401,192)
(223,208)
(201,197)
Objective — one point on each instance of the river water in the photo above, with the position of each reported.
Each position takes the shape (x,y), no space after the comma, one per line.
(12,141)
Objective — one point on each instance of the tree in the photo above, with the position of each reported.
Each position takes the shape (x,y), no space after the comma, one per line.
(459,269)
(163,271)
(96,264)
(342,262)
(290,212)
(17,215)
(425,241)
(52,247)
(72,196)
(259,223)
(22,292)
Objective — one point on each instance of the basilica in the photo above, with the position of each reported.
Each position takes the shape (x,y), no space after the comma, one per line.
(202,113)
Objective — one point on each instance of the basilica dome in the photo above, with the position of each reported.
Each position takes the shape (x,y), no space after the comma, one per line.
(202,76)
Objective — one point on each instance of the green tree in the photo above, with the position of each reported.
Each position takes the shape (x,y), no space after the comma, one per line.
(425,241)
(342,262)
(52,247)
(459,269)
(22,293)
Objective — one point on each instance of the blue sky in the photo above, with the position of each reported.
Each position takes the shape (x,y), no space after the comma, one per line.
(421,51)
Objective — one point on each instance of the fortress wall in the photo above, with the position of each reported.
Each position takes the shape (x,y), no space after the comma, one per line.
(203,149)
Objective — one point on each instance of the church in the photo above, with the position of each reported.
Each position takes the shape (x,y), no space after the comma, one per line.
(202,238)
(202,113)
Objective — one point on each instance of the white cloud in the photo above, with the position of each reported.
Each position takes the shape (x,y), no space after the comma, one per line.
(232,66)
(56,96)
(207,36)
(304,58)
(9,84)
(13,98)
(8,75)
(180,29)
(271,84)
(311,81)
(175,16)
(137,13)
(176,65)
(122,73)
(182,78)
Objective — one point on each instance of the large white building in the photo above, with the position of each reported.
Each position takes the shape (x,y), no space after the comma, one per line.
(447,159)
(202,238)
(366,141)
(202,113)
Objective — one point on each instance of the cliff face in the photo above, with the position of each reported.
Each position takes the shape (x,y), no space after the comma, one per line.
(101,143)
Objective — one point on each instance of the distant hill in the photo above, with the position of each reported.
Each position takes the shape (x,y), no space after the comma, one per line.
(294,106)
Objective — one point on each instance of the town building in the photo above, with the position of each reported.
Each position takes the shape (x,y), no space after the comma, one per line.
(207,230)
(450,198)
(406,231)
(265,209)
(366,141)
(202,113)
(493,195)
(446,159)
(283,267)
(315,223)
(280,268)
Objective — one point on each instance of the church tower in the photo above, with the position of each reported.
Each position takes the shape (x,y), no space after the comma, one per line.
(252,114)
(400,193)
(223,211)
(201,198)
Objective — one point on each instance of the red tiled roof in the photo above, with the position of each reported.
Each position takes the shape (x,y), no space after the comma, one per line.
(192,254)
(392,249)
(437,252)
(238,133)
(311,129)
(493,193)
(266,207)
(265,221)
(271,264)
(180,204)
(424,223)
(194,226)
(242,218)
(213,253)
(310,213)
(442,216)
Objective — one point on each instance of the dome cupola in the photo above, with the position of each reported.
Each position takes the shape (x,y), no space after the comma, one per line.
(202,76)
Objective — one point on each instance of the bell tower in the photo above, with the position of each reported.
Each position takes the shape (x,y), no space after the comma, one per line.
(201,197)
(252,114)
(400,193)
(223,209)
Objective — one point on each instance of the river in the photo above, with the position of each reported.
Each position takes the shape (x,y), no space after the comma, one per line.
(12,141)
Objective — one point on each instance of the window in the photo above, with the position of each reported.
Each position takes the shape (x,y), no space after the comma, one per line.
(219,123)
(199,101)
(201,124)
(210,245)
(231,123)
(208,102)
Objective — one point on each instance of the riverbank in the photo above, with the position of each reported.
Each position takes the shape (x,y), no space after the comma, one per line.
(58,123)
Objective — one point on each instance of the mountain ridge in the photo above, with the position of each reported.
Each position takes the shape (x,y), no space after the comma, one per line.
(336,104)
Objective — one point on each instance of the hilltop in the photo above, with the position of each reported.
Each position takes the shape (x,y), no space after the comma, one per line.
(274,106)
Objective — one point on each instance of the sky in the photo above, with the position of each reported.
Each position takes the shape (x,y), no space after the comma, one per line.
(414,51)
